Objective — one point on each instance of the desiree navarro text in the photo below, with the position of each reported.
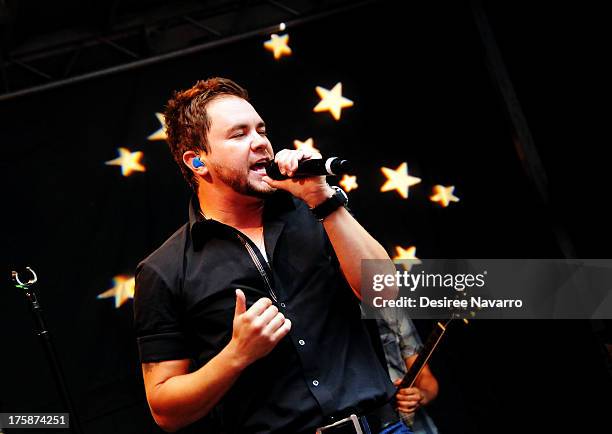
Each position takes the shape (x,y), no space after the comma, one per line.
(426,302)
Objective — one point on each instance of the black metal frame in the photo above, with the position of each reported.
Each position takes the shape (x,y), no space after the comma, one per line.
(129,40)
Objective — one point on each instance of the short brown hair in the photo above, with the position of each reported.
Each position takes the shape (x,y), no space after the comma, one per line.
(187,123)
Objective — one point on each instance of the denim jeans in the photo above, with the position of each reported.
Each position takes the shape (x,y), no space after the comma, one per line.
(397,428)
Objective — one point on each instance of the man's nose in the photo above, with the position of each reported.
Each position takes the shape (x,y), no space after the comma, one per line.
(259,142)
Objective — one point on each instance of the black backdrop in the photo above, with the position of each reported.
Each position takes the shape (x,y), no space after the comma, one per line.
(422,94)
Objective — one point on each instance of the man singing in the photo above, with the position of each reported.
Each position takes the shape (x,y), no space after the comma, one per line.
(250,311)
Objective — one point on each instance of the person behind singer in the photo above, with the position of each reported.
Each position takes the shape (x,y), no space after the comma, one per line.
(250,312)
(401,342)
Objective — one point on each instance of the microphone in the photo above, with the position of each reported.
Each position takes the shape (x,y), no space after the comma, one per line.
(312,167)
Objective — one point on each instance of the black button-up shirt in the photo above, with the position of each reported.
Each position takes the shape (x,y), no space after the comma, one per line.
(184,307)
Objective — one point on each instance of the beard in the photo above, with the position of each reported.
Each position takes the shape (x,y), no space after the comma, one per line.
(241,182)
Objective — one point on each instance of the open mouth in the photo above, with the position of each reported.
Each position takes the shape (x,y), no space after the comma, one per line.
(259,167)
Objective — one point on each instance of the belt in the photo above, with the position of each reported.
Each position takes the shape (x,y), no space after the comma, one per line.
(372,422)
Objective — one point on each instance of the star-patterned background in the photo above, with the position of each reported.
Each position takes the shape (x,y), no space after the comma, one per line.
(407,98)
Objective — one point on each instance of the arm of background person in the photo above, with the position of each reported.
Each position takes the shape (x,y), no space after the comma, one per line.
(424,391)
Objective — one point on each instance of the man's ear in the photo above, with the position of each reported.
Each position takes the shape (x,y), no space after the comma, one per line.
(195,164)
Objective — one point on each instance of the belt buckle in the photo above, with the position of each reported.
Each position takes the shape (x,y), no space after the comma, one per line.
(352,418)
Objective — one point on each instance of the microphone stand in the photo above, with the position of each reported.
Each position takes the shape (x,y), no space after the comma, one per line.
(45,337)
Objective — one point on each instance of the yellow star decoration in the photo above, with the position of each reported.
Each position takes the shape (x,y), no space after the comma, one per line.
(129,162)
(348,183)
(278,45)
(161,133)
(444,195)
(399,180)
(307,145)
(332,101)
(122,290)
(406,257)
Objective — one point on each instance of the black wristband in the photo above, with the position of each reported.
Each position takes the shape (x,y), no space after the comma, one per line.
(331,204)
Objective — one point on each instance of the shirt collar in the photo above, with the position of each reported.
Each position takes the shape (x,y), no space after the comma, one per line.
(195,213)
(201,227)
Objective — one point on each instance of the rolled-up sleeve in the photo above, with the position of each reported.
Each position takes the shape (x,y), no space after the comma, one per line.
(409,340)
(156,319)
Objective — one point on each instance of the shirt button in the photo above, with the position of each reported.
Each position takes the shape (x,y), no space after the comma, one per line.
(282,304)
(302,342)
(315,383)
